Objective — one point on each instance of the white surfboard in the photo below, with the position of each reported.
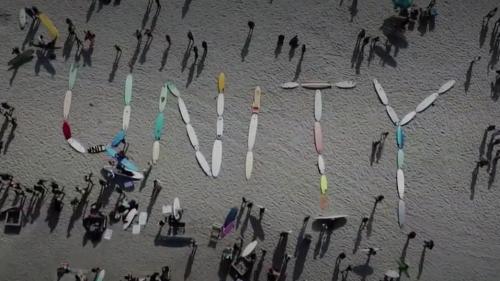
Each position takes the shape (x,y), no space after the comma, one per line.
(173,89)
(392,274)
(220,126)
(126,117)
(176,208)
(446,86)
(100,275)
(203,163)
(289,85)
(321,164)
(401,183)
(316,85)
(163,98)
(333,217)
(220,104)
(345,84)
(252,131)
(156,151)
(427,102)
(380,92)
(249,165)
(67,104)
(318,105)
(129,218)
(408,117)
(249,249)
(184,111)
(216,157)
(192,137)
(143,218)
(392,114)
(22,18)
(75,144)
(401,213)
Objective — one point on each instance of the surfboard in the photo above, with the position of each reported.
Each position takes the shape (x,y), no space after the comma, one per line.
(100,275)
(96,148)
(183,110)
(143,218)
(392,114)
(333,217)
(192,137)
(129,218)
(323,184)
(407,118)
(252,131)
(392,274)
(345,84)
(289,85)
(256,100)
(427,102)
(229,222)
(163,98)
(129,165)
(321,164)
(176,208)
(400,137)
(173,89)
(118,138)
(401,212)
(401,183)
(73,71)
(446,86)
(203,163)
(128,89)
(67,104)
(76,145)
(316,85)
(22,18)
(111,152)
(318,137)
(318,105)
(49,25)
(126,117)
(401,158)
(216,157)
(249,249)
(380,92)
(221,83)
(23,57)
(159,121)
(249,165)
(156,151)
(220,126)
(66,130)
(220,104)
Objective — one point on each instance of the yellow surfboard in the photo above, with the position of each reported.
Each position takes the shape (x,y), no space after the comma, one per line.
(51,28)
(221,82)
(323,184)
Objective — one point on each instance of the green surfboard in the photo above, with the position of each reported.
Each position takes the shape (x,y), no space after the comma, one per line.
(158,131)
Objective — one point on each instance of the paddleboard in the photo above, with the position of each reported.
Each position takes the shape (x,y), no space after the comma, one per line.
(118,138)
(173,89)
(73,71)
(49,25)
(221,83)
(220,126)
(203,163)
(323,184)
(318,137)
(321,164)
(331,218)
(22,18)
(23,57)
(380,92)
(401,213)
(318,105)
(392,114)
(220,104)
(100,275)
(446,86)
(249,165)
(76,145)
(126,117)
(176,208)
(129,218)
(216,157)
(401,183)
(156,151)
(316,85)
(252,131)
(183,110)
(345,84)
(67,104)
(428,101)
(249,249)
(163,98)
(401,158)
(96,148)
(128,89)
(256,100)
(408,117)
(289,85)
(66,130)
(192,137)
(400,137)
(159,121)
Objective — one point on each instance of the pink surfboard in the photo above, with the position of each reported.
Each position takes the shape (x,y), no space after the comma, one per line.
(66,130)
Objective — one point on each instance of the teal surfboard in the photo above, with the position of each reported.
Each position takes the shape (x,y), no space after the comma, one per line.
(118,138)
(400,137)
(173,89)
(158,131)
(129,165)
(128,89)
(401,158)
(73,70)
(163,98)
(111,152)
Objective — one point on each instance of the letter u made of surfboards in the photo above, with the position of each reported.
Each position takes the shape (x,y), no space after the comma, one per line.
(49,25)
(67,104)
(380,92)
(73,71)
(128,89)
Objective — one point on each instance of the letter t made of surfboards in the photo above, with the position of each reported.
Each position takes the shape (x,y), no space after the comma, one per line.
(252,132)
(400,135)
